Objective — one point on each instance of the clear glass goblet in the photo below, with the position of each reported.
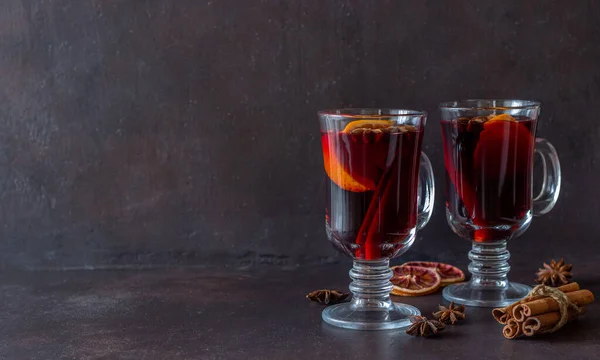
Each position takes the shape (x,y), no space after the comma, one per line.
(379,193)
(489,148)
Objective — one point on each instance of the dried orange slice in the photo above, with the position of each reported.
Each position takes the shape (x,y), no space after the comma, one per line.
(414,280)
(369,124)
(449,274)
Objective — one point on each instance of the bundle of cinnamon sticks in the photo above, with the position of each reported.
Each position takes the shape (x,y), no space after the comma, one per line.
(535,315)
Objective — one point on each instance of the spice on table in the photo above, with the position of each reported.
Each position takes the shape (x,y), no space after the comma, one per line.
(502,315)
(421,326)
(327,297)
(451,314)
(555,274)
(545,310)
(537,324)
(512,329)
(550,304)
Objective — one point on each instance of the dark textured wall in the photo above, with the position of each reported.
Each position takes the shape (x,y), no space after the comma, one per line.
(184,132)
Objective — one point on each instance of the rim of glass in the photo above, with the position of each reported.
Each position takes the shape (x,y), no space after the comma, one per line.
(490,104)
(362,112)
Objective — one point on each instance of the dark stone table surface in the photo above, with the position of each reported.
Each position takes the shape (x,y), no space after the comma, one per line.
(239,314)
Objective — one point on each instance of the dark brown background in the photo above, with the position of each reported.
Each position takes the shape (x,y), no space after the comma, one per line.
(153,133)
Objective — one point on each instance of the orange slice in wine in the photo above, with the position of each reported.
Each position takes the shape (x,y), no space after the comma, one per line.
(501,117)
(334,169)
(414,280)
(338,174)
(505,146)
(449,274)
(367,124)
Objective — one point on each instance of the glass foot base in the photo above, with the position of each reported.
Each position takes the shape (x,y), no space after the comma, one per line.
(349,316)
(478,296)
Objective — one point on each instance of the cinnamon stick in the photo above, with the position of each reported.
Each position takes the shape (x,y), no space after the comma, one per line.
(365,238)
(569,287)
(512,329)
(503,314)
(545,305)
(537,324)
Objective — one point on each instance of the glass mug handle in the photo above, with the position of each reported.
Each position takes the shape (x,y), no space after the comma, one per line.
(425,193)
(548,195)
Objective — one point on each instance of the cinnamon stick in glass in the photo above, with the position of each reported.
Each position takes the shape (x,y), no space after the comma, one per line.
(503,314)
(537,324)
(545,305)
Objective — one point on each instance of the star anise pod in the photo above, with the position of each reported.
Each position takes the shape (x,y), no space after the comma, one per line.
(421,326)
(452,313)
(555,274)
(327,297)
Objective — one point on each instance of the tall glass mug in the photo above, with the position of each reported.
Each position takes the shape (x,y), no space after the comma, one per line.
(489,148)
(379,192)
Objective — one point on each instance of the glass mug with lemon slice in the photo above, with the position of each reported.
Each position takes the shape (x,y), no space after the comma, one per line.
(489,148)
(380,191)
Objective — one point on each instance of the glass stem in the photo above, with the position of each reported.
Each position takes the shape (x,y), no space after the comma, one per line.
(489,265)
(371,284)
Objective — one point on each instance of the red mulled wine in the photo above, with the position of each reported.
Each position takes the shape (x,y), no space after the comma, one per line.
(373,174)
(488,162)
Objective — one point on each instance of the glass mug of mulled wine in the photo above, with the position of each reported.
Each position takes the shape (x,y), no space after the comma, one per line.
(379,193)
(489,148)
